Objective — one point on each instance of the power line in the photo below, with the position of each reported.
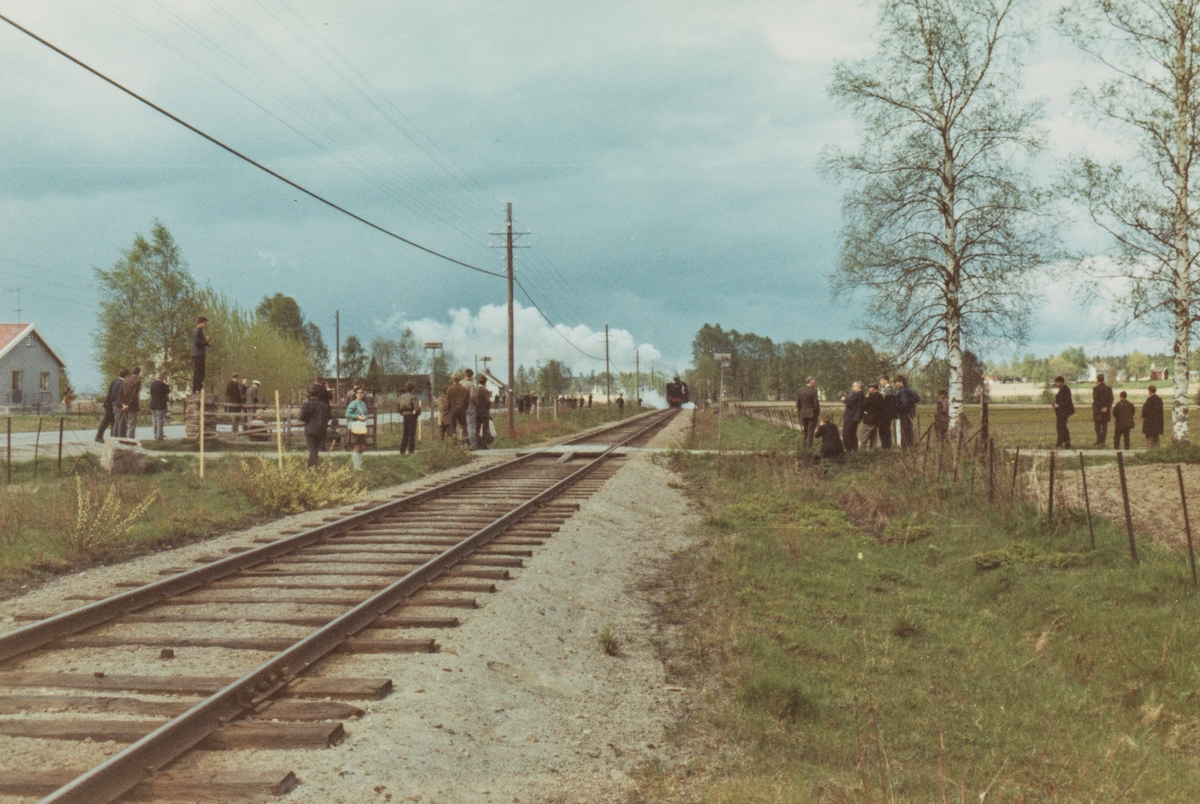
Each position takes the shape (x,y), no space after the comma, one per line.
(242,156)
(551,323)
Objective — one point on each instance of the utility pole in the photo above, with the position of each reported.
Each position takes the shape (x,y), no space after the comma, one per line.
(637,383)
(337,356)
(512,372)
(607,372)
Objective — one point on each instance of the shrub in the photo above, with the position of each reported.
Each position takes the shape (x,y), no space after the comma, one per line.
(99,523)
(296,488)
(442,455)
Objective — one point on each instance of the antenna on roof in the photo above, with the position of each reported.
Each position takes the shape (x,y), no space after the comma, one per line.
(18,292)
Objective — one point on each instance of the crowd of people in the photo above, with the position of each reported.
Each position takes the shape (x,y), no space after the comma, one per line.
(465,410)
(884,411)
(1121,414)
(122,405)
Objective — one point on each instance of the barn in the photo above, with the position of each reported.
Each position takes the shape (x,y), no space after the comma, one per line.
(30,371)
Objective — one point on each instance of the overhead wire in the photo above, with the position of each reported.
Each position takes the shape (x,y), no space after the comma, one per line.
(242,156)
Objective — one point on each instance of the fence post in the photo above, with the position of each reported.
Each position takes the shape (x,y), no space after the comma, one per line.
(37,442)
(60,442)
(1187,525)
(1012,489)
(991,469)
(1125,499)
(203,413)
(278,431)
(1050,505)
(8,452)
(1087,502)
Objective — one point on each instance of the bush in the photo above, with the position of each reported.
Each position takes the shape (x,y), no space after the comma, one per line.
(296,488)
(99,523)
(442,455)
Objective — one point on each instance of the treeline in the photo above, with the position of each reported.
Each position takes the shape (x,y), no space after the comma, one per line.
(761,369)
(149,303)
(1073,364)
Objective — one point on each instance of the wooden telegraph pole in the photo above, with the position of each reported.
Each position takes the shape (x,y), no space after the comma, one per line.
(509,245)
(607,373)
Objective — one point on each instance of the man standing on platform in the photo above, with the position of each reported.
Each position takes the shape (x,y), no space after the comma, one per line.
(808,406)
(200,343)
(1064,409)
(1102,402)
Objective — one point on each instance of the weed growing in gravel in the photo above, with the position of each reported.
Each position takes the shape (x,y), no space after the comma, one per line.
(608,640)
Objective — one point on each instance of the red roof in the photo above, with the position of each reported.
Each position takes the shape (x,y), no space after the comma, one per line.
(10,332)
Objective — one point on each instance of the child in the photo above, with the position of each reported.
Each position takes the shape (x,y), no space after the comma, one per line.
(1122,413)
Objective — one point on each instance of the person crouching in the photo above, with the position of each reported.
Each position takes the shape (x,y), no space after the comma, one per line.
(831,440)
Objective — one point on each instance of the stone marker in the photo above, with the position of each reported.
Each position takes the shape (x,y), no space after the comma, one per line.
(123,456)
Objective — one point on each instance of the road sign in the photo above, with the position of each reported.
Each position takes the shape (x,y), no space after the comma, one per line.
(433,345)
(722,357)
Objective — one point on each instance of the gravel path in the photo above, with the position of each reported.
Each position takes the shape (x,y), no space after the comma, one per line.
(522,704)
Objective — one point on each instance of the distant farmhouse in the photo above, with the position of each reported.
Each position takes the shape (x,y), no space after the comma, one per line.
(30,371)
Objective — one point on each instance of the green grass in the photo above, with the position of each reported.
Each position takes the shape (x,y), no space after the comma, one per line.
(36,516)
(858,618)
(28,423)
(1014,426)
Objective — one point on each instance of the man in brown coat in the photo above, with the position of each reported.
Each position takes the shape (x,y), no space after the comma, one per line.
(1102,402)
(457,400)
(809,408)
(129,402)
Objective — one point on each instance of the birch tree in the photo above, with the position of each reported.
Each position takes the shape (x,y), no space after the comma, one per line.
(944,230)
(1147,204)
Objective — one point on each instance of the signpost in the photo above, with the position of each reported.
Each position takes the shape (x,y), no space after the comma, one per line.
(432,346)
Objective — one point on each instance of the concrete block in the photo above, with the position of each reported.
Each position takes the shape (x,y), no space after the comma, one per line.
(123,456)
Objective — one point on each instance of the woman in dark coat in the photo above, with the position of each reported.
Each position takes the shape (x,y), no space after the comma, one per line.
(1152,418)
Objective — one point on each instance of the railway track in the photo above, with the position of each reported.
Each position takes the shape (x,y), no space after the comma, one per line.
(267,617)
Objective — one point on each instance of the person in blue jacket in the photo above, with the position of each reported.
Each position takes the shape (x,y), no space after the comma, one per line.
(356,418)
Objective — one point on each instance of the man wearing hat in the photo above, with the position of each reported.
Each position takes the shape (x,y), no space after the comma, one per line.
(252,396)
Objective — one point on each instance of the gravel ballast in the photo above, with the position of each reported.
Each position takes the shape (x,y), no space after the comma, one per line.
(522,704)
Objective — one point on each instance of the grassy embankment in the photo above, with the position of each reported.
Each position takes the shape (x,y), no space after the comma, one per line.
(37,517)
(865,633)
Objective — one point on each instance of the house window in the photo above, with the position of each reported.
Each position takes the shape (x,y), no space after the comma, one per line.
(16,378)
(44,381)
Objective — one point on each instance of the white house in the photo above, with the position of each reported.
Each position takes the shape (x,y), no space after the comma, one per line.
(30,371)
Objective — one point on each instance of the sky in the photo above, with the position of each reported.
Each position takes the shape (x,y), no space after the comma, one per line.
(662,156)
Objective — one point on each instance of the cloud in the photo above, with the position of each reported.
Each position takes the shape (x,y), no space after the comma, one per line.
(468,334)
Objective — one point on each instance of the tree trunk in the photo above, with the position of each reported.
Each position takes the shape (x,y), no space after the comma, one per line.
(1182,225)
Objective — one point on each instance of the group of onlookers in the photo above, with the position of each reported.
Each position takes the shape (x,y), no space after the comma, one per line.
(1122,414)
(122,405)
(466,410)
(869,417)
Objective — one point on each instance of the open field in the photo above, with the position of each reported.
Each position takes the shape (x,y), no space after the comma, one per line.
(1026,426)
(862,633)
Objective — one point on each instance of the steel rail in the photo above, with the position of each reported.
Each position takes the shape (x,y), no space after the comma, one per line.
(123,771)
(43,632)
